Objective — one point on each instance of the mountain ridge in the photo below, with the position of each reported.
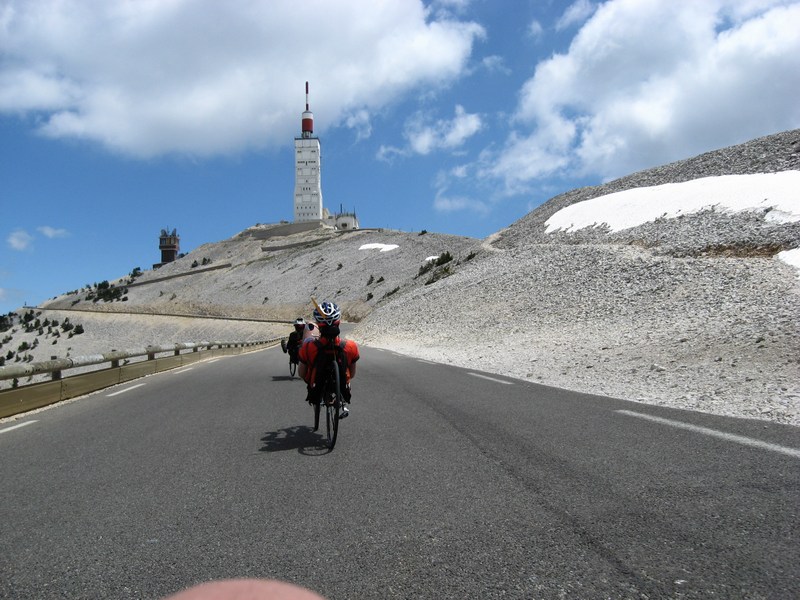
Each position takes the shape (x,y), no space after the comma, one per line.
(693,312)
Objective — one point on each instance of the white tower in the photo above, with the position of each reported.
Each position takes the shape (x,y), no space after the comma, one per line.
(307,175)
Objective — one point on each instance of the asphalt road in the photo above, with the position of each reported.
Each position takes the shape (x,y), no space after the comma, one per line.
(445,483)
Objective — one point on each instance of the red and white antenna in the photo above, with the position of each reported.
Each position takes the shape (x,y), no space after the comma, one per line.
(308,118)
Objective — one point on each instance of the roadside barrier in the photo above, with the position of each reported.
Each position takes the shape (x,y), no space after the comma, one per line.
(36,395)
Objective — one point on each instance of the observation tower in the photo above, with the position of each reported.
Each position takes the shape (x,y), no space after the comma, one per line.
(307,171)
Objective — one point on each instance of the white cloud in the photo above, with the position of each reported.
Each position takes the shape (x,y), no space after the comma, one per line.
(204,77)
(449,199)
(389,153)
(577,12)
(360,122)
(646,82)
(19,239)
(424,137)
(448,204)
(535,29)
(52,232)
(496,64)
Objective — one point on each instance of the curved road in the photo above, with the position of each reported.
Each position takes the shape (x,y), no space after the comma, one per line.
(445,483)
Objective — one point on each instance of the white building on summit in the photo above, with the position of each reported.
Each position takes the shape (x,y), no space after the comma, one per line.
(307,169)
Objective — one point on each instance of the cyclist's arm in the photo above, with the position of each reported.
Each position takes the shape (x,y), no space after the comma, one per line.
(351,348)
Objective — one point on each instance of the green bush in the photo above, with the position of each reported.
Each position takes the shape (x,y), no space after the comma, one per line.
(444,258)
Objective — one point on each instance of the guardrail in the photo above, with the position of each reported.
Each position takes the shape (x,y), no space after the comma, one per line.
(36,395)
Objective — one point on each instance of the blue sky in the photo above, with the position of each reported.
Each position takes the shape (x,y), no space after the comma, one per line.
(118,119)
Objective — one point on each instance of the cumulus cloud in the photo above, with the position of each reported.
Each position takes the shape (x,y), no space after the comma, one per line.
(450,198)
(423,135)
(646,82)
(52,232)
(19,239)
(204,77)
(496,64)
(359,121)
(447,204)
(577,12)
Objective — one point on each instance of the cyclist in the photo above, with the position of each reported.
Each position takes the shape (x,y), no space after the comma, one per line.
(328,317)
(302,332)
(292,345)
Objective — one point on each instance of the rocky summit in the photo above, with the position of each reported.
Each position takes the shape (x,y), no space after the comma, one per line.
(695,312)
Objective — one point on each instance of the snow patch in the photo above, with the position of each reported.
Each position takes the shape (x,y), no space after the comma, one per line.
(776,193)
(791,258)
(381,247)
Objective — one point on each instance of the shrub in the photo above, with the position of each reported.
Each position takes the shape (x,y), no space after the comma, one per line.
(369,296)
(444,258)
(437,275)
(423,232)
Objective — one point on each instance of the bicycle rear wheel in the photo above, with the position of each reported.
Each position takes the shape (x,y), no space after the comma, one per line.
(333,405)
(292,368)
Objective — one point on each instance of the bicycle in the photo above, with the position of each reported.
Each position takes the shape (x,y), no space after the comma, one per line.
(331,397)
(293,360)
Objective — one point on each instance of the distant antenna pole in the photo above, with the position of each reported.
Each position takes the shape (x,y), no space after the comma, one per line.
(308,119)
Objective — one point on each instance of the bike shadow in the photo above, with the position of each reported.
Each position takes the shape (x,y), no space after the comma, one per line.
(283,378)
(300,437)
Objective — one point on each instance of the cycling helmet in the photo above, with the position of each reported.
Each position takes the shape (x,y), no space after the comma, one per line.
(299,321)
(327,313)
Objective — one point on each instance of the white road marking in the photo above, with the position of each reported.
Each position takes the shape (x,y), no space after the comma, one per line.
(739,439)
(133,387)
(182,370)
(18,426)
(427,362)
(491,378)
